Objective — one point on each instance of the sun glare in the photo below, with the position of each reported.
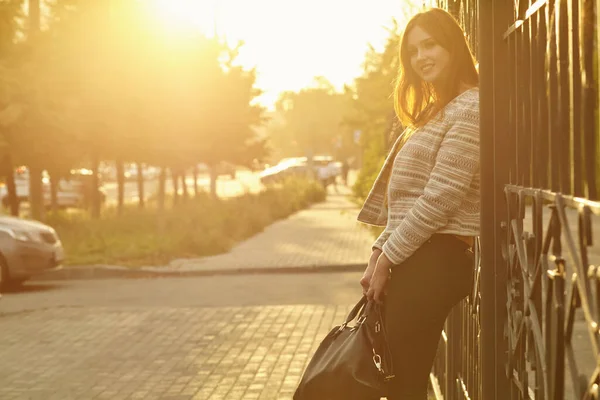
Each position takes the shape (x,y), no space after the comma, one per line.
(186,15)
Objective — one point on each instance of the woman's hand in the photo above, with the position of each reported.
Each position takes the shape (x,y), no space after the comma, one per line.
(379,279)
(366,278)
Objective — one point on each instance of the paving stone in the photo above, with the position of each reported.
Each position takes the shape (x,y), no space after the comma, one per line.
(166,353)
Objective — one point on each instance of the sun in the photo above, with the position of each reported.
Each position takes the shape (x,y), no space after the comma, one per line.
(187,16)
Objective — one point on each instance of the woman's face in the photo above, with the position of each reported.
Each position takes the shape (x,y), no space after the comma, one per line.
(428,59)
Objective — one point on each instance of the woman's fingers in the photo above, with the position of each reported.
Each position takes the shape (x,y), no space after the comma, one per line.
(375,291)
(377,295)
(364,282)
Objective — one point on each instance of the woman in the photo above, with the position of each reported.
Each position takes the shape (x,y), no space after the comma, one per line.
(427,197)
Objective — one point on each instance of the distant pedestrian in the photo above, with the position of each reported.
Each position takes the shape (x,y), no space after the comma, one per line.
(345,170)
(427,197)
(333,172)
(323,176)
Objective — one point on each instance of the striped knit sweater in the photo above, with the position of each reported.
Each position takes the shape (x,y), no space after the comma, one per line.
(434,185)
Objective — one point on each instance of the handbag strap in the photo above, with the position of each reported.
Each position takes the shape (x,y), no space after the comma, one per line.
(355,310)
(383,362)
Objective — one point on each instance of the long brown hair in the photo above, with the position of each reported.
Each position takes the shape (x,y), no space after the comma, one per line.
(415,100)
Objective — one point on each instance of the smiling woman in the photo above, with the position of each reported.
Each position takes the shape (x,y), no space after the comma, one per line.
(186,16)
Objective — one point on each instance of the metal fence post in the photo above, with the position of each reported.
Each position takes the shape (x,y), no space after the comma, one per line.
(494,175)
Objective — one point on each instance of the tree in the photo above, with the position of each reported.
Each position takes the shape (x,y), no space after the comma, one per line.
(313,120)
(102,45)
(10,108)
(102,82)
(220,111)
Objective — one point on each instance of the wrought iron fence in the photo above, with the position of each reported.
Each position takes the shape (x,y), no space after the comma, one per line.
(530,328)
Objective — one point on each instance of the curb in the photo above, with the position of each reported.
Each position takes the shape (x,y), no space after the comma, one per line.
(107,272)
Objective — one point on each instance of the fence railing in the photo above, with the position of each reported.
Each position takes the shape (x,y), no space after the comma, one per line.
(530,328)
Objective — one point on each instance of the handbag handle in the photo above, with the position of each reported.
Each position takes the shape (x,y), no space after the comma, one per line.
(355,310)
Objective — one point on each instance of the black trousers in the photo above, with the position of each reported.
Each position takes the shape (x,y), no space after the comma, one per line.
(420,295)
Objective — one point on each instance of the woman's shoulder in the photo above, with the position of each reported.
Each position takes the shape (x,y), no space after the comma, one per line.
(466,103)
(465,106)
(469,97)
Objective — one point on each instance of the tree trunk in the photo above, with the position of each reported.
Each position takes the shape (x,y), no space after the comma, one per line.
(162,180)
(120,168)
(184,186)
(175,181)
(36,195)
(54,182)
(213,180)
(94,192)
(11,187)
(140,184)
(195,173)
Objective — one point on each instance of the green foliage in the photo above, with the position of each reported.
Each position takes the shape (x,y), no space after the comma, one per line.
(200,227)
(372,163)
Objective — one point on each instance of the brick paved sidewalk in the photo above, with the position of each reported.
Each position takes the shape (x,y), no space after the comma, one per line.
(160,353)
(327,234)
(325,237)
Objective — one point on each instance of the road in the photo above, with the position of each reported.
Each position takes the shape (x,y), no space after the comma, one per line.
(226,187)
(210,338)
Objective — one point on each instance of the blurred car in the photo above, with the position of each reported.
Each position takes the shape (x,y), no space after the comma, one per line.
(27,248)
(287,167)
(293,166)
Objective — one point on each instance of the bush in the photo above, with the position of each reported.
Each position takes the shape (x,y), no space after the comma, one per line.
(201,226)
(374,157)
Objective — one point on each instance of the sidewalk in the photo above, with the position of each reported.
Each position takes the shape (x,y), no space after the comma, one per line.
(130,351)
(324,237)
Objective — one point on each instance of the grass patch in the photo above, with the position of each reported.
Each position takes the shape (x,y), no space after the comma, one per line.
(201,226)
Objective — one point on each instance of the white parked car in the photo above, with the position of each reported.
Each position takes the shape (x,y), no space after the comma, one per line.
(298,166)
(27,248)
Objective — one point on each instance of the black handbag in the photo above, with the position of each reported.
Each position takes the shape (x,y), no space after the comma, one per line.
(352,362)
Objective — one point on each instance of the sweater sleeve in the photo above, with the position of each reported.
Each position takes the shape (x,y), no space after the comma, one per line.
(456,164)
(381,240)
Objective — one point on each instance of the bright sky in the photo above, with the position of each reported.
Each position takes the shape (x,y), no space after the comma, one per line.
(292,41)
